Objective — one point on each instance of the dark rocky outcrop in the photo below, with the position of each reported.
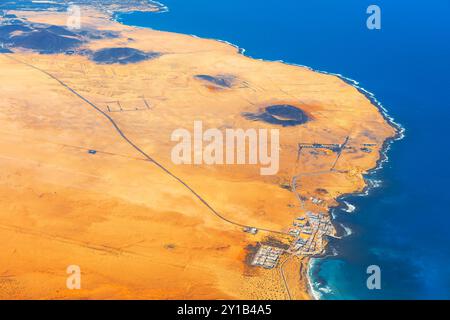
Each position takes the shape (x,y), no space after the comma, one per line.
(284,115)
(225,81)
(122,55)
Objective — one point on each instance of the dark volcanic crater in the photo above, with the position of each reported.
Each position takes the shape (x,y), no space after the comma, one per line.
(225,81)
(122,55)
(40,38)
(44,38)
(282,114)
(45,41)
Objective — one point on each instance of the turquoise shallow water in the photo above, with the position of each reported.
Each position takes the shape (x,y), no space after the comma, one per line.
(402,225)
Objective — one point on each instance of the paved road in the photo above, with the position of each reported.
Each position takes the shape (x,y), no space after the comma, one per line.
(340,152)
(295,183)
(283,276)
(131,143)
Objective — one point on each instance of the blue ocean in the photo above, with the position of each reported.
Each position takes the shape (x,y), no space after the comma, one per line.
(403,223)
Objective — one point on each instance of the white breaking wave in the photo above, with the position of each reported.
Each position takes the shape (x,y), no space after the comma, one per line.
(348,230)
(326,289)
(315,289)
(316,294)
(349,207)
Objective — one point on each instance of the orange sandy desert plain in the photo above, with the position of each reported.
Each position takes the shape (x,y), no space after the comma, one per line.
(87,177)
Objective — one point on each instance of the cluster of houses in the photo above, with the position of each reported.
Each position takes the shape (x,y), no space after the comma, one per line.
(267,257)
(316,200)
(309,232)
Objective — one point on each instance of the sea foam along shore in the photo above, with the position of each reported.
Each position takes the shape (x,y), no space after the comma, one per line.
(350,208)
(315,292)
(400,134)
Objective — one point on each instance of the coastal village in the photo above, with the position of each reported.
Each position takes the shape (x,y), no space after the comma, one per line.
(308,234)
(310,229)
(282,255)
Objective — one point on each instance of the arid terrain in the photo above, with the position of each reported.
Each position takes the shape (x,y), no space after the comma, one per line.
(87,177)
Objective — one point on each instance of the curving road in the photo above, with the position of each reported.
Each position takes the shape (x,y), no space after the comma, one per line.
(131,143)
